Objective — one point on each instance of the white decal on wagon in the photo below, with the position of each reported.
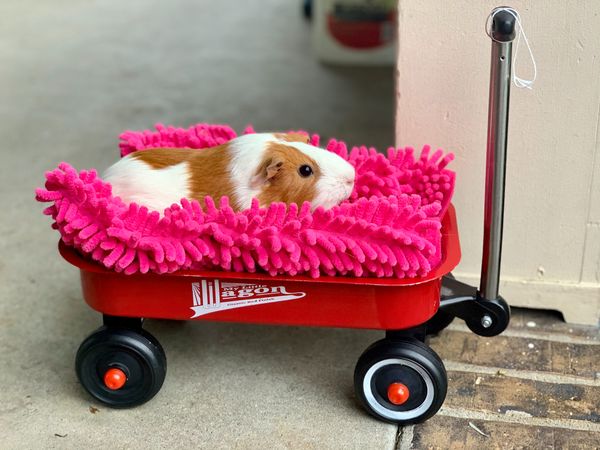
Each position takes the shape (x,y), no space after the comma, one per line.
(213,295)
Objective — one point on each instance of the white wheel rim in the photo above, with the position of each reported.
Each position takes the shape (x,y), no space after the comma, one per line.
(398,415)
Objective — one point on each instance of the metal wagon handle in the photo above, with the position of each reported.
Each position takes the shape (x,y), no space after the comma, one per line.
(485,311)
(502,33)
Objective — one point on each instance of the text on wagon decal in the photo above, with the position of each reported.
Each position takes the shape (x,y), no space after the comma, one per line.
(213,295)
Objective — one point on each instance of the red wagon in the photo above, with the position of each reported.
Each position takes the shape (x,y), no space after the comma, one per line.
(397,379)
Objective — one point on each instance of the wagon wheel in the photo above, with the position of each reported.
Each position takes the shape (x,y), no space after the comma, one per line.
(121,367)
(401,381)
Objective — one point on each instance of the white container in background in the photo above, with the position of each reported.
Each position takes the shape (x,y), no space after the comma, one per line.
(355,32)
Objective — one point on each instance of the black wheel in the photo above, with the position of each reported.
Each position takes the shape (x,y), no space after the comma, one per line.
(492,318)
(121,367)
(400,381)
(488,325)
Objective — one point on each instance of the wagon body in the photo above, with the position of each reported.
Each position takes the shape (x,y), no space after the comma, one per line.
(376,303)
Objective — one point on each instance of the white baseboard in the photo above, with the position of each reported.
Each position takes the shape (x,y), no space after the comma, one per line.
(578,302)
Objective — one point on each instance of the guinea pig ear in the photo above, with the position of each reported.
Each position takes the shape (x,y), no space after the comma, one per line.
(293,137)
(267,171)
(273,168)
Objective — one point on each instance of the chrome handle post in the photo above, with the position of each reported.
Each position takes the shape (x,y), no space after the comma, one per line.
(502,34)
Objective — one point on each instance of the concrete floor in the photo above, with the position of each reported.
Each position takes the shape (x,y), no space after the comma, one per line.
(75,74)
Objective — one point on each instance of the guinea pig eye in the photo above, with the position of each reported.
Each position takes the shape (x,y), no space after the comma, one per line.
(305,171)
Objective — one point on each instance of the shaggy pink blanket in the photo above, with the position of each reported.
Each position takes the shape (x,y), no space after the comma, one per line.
(390,226)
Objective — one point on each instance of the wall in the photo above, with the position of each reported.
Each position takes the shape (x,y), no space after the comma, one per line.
(551,253)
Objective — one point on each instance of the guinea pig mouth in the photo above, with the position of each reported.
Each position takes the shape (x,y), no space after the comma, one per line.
(337,199)
(333,192)
(347,192)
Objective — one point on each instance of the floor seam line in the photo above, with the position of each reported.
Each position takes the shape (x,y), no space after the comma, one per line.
(542,336)
(525,419)
(407,437)
(546,377)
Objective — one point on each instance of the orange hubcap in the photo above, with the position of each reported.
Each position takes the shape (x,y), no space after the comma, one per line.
(114,378)
(398,393)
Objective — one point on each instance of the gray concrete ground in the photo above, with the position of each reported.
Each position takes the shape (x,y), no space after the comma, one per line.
(72,76)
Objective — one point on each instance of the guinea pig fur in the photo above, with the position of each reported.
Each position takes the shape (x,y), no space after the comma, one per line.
(270,167)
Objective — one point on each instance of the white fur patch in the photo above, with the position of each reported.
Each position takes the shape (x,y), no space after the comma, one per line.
(135,181)
(337,175)
(246,155)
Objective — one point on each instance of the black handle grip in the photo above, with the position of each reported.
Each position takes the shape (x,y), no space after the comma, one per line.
(503,26)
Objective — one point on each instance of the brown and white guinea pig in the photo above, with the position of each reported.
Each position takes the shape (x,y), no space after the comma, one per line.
(269,167)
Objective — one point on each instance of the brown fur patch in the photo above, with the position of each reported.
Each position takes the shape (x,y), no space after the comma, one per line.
(159,158)
(286,185)
(292,137)
(209,169)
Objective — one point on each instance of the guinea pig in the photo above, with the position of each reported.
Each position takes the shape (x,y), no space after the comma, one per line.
(270,167)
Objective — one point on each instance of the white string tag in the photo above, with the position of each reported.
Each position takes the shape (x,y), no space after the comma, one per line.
(519,82)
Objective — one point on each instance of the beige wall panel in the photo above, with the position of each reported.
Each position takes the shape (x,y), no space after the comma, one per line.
(553,179)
